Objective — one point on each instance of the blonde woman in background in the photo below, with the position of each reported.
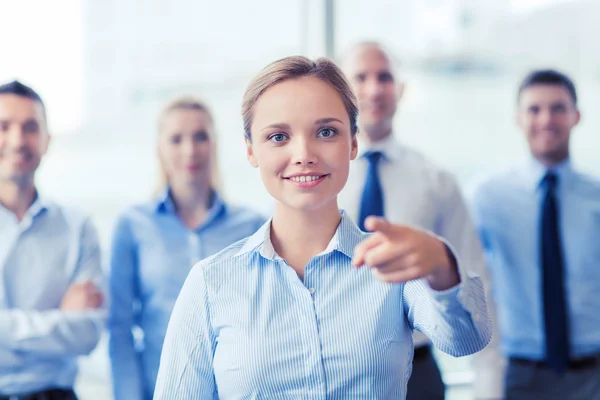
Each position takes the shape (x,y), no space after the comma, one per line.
(156,243)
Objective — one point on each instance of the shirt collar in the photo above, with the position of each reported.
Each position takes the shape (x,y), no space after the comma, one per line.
(40,205)
(389,147)
(165,205)
(345,239)
(164,202)
(535,172)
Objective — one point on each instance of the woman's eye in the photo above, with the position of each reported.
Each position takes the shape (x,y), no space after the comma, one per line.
(278,137)
(175,139)
(327,133)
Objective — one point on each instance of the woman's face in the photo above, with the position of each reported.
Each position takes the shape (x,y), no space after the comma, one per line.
(185,146)
(302,142)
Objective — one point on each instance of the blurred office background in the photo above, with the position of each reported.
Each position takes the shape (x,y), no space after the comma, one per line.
(105,68)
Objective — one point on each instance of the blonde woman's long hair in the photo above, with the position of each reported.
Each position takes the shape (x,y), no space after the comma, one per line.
(194,104)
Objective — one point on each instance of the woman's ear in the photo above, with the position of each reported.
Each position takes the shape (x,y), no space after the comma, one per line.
(354,148)
(250,153)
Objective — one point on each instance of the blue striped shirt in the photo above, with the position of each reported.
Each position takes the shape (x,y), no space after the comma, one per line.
(51,248)
(507,208)
(152,253)
(246,327)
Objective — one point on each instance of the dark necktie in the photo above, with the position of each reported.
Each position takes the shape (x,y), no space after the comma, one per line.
(372,197)
(555,305)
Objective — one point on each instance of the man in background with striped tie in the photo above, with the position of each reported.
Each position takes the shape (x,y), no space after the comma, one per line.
(391,180)
(540,225)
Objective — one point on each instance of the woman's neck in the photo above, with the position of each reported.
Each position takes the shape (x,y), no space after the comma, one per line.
(17,198)
(192,203)
(298,235)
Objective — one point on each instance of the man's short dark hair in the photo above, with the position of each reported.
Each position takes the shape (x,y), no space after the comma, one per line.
(548,77)
(19,89)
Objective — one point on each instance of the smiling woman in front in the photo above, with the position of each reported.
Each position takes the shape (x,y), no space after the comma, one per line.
(310,306)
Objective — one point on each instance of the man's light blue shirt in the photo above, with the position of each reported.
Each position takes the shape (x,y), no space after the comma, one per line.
(40,257)
(246,326)
(152,254)
(507,211)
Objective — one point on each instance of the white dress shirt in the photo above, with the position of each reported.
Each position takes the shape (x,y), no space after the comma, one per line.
(418,193)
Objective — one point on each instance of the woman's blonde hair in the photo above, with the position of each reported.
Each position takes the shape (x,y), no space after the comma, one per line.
(194,104)
(298,67)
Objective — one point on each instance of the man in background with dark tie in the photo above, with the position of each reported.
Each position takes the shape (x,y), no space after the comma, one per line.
(388,179)
(540,226)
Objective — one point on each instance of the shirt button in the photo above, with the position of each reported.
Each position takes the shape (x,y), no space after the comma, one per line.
(311,290)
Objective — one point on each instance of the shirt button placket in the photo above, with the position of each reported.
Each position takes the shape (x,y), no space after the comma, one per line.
(194,247)
(317,378)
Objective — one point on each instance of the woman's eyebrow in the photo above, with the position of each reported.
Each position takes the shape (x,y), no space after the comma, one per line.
(327,120)
(278,125)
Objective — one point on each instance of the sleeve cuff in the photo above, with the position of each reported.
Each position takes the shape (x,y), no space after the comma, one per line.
(467,294)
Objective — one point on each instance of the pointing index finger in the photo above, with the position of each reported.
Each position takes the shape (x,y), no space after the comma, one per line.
(358,260)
